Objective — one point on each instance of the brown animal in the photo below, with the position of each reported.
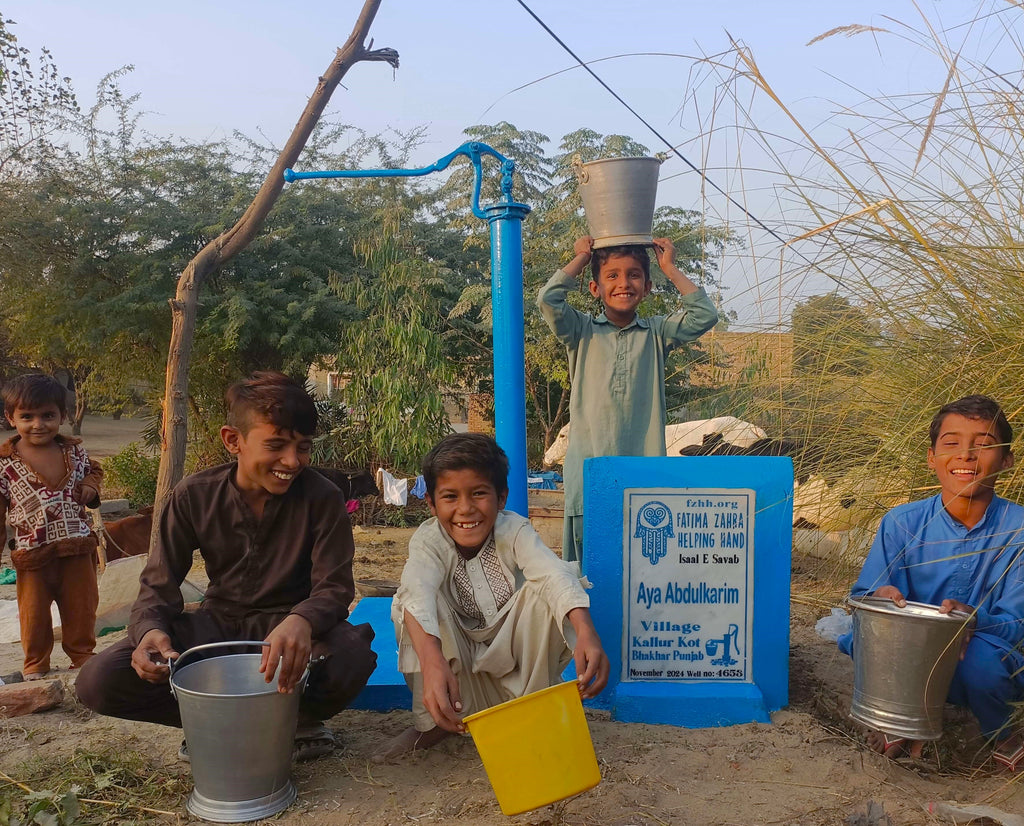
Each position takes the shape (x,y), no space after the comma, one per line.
(130,536)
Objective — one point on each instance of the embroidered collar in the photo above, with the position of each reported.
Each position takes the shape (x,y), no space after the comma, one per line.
(636,322)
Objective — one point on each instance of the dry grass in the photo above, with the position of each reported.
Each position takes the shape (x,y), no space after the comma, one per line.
(913,220)
(106,785)
(907,212)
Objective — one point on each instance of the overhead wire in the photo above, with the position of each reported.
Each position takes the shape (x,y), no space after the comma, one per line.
(671,147)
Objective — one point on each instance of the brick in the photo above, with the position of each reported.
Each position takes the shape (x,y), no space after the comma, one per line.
(19,699)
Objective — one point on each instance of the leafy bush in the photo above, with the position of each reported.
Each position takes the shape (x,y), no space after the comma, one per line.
(133,471)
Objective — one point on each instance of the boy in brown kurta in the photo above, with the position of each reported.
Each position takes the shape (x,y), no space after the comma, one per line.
(278,548)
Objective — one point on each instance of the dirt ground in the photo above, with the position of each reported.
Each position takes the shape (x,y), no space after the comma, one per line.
(103,436)
(807,767)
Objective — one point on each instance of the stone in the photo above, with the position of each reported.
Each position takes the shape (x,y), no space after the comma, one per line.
(19,699)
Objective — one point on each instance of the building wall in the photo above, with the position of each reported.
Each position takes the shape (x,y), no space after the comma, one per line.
(480,419)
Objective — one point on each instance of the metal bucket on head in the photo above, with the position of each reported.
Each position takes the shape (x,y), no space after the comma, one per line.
(618,198)
(904,659)
(240,733)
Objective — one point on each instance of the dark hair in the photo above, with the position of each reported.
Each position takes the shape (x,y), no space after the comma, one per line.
(635,251)
(34,390)
(974,407)
(273,397)
(460,451)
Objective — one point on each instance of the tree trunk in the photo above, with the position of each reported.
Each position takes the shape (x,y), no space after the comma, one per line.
(81,400)
(81,408)
(225,246)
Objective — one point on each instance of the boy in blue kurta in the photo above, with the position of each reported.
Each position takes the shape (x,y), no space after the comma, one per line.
(962,550)
(617,359)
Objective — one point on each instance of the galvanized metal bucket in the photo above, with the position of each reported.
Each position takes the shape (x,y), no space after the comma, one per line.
(618,198)
(904,659)
(239,732)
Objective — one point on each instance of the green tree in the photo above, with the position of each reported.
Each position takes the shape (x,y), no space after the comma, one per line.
(831,336)
(36,106)
(394,356)
(90,241)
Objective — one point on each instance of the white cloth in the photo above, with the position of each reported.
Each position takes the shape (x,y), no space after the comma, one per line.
(522,645)
(395,491)
(10,627)
(525,650)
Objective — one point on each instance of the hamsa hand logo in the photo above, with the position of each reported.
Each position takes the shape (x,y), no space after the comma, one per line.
(653,529)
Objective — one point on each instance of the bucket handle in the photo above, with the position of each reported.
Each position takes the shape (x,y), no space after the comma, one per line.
(176,664)
(582,175)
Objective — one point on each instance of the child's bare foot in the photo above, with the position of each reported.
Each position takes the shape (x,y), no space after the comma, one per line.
(37,675)
(894,747)
(410,740)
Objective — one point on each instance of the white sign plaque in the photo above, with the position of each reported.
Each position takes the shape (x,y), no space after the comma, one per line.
(688,589)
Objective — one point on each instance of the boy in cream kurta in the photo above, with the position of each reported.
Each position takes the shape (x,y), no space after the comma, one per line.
(485,612)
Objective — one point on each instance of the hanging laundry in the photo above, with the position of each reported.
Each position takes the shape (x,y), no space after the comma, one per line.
(395,491)
(419,488)
(543,480)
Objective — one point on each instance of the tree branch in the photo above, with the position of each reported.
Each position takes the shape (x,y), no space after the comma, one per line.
(221,249)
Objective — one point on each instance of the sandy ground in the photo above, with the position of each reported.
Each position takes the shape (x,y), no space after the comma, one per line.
(807,767)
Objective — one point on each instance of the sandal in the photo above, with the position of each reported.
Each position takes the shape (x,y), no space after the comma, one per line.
(313,742)
(1009,759)
(892,746)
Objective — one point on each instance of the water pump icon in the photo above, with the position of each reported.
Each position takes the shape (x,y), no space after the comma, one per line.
(730,642)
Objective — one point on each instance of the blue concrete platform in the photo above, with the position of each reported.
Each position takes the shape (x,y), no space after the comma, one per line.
(386,689)
(690,559)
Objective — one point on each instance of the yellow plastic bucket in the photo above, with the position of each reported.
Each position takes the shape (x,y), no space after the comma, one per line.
(536,749)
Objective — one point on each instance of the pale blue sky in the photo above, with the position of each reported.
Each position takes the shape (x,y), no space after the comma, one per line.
(206,68)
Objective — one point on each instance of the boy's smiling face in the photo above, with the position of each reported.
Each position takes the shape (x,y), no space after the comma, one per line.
(37,426)
(466,504)
(621,286)
(967,457)
(269,458)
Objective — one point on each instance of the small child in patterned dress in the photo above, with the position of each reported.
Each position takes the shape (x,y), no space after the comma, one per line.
(46,482)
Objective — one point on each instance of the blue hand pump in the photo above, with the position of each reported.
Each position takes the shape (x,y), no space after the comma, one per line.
(506,225)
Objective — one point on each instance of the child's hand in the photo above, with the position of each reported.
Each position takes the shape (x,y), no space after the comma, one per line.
(893,593)
(441,694)
(582,251)
(83,494)
(291,643)
(151,657)
(665,252)
(592,665)
(949,605)
(584,246)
